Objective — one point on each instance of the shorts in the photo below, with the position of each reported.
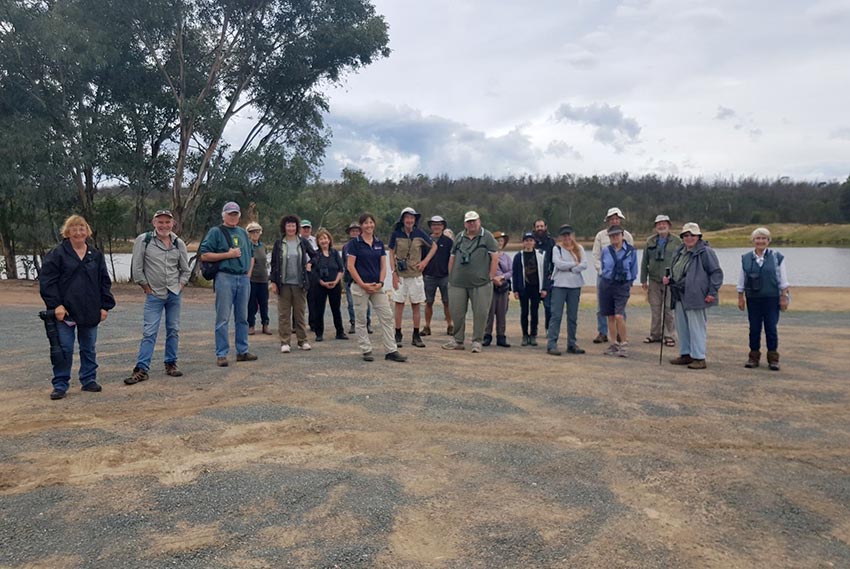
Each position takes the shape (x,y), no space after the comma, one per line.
(431,286)
(613,297)
(410,288)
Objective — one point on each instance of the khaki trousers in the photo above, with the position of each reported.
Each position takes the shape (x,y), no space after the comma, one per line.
(291,304)
(459,299)
(656,298)
(381,313)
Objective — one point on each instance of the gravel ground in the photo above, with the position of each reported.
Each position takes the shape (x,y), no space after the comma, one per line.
(509,458)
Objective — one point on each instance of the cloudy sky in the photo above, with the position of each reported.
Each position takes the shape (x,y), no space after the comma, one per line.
(687,87)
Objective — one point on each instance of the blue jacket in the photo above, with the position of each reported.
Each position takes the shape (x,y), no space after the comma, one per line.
(628,255)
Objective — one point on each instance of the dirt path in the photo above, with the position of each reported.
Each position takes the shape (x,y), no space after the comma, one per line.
(509,458)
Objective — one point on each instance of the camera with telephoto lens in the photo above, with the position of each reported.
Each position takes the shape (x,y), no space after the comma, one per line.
(401,265)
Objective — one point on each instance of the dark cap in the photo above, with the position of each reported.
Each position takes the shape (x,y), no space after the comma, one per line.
(527,235)
(565,230)
(163,212)
(614,229)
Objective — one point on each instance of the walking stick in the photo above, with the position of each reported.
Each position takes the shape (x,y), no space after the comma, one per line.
(663,315)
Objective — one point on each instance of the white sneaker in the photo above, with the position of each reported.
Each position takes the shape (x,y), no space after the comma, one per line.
(305,346)
(285,349)
(476,347)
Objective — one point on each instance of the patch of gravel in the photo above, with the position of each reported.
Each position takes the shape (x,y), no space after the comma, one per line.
(253,413)
(467,408)
(818,397)
(385,402)
(585,405)
(658,410)
(788,431)
(59,440)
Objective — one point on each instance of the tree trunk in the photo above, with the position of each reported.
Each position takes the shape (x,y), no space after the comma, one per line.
(7,244)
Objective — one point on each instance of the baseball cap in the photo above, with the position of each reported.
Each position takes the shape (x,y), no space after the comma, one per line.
(471,216)
(231,207)
(691,228)
(614,230)
(163,212)
(661,217)
(306,223)
(565,230)
(527,235)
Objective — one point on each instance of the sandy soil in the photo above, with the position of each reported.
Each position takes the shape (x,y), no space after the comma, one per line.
(509,458)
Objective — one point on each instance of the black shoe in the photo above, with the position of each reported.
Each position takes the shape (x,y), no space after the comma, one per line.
(395,357)
(320,338)
(93,386)
(399,337)
(575,350)
(488,339)
(57,394)
(368,357)
(341,336)
(351,329)
(532,340)
(600,339)
(417,341)
(502,341)
(524,340)
(369,329)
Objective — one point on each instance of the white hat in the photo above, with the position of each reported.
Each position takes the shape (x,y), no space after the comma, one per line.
(691,228)
(471,216)
(254,226)
(614,211)
(661,217)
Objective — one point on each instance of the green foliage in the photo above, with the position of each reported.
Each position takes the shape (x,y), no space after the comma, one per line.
(844,200)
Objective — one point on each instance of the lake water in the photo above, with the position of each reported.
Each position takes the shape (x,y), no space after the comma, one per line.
(807,266)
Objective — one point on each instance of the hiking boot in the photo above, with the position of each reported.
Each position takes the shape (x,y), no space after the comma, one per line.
(285,348)
(753,359)
(697,364)
(341,336)
(138,375)
(600,339)
(93,387)
(417,341)
(251,331)
(351,329)
(369,329)
(553,352)
(450,330)
(320,338)
(488,339)
(524,340)
(368,357)
(476,347)
(246,357)
(266,330)
(453,345)
(532,340)
(57,394)
(172,370)
(502,341)
(395,357)
(682,360)
(611,350)
(773,361)
(575,350)
(426,331)
(399,338)
(221,362)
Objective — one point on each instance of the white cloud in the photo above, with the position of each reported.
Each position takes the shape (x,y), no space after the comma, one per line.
(612,126)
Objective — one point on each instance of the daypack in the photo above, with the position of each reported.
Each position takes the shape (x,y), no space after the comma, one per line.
(148,237)
(209,269)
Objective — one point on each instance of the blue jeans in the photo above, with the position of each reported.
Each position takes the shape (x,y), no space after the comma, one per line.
(560,296)
(153,315)
(350,300)
(763,312)
(86,337)
(691,325)
(231,294)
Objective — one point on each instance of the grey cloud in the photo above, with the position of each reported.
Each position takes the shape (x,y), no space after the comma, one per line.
(724,113)
(841,133)
(560,149)
(612,126)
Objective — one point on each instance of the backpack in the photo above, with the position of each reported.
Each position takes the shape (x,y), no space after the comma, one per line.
(148,237)
(209,269)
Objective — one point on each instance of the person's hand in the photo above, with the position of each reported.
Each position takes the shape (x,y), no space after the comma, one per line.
(182,286)
(516,296)
(103,314)
(709,299)
(498,280)
(644,286)
(543,293)
(741,303)
(309,267)
(395,281)
(235,253)
(665,280)
(274,288)
(148,290)
(783,303)
(60,313)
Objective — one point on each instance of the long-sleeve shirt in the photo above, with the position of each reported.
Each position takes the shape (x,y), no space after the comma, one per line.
(566,271)
(628,256)
(601,242)
(162,268)
(781,274)
(505,268)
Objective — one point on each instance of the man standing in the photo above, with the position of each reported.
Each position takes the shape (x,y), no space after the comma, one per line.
(544,243)
(230,246)
(353,231)
(161,267)
(407,244)
(436,275)
(614,218)
(657,259)
(472,268)
(307,233)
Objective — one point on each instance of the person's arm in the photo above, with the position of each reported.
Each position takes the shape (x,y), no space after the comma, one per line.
(48,284)
(597,254)
(380,285)
(562,262)
(423,264)
(183,264)
(138,264)
(494,264)
(107,301)
(741,287)
(644,268)
(393,264)
(274,272)
(451,262)
(209,256)
(784,285)
(633,268)
(715,276)
(582,264)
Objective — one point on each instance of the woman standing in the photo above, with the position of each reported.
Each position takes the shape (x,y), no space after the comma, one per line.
(529,286)
(764,289)
(325,275)
(290,257)
(75,286)
(619,271)
(501,295)
(695,281)
(259,297)
(367,265)
(568,262)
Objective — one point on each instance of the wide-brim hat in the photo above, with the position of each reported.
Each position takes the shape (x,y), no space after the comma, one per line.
(352,225)
(437,219)
(254,226)
(501,235)
(691,228)
(661,217)
(614,211)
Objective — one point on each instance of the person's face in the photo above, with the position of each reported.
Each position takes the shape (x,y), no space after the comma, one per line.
(662,228)
(354,233)
(306,231)
(540,227)
(408,220)
(323,241)
(761,241)
(616,239)
(255,235)
(528,244)
(368,226)
(163,225)
(567,239)
(690,240)
(502,242)
(291,228)
(78,233)
(614,220)
(437,229)
(231,218)
(473,226)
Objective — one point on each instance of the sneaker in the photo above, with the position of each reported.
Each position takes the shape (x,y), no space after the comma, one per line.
(575,350)
(453,345)
(450,330)
(697,364)
(172,370)
(305,346)
(57,394)
(351,329)
(476,347)
(246,357)
(417,341)
(682,360)
(369,329)
(320,338)
(553,352)
(341,336)
(221,362)
(623,350)
(285,349)
(137,376)
(524,341)
(426,331)
(93,387)
(395,357)
(368,357)
(399,337)
(611,350)
(600,339)
(532,340)
(251,330)
(266,330)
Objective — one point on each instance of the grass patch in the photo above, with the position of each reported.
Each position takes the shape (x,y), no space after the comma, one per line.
(784,234)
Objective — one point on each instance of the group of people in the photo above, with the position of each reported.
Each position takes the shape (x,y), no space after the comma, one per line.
(681,275)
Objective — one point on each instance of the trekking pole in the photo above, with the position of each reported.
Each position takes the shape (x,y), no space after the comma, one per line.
(663,315)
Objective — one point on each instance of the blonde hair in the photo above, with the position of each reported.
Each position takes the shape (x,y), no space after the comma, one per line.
(323,231)
(575,249)
(763,231)
(73,220)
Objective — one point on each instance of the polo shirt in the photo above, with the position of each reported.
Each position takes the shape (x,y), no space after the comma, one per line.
(477,272)
(215,242)
(411,248)
(438,268)
(367,259)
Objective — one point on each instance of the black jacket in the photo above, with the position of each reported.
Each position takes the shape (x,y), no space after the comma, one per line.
(279,262)
(83,287)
